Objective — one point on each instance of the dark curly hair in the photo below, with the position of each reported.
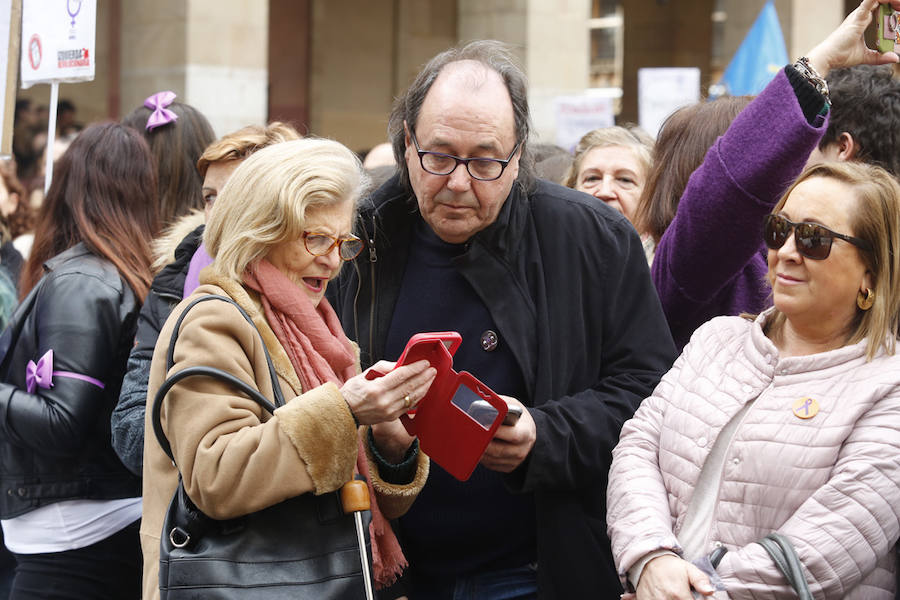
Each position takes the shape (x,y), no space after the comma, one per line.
(865,102)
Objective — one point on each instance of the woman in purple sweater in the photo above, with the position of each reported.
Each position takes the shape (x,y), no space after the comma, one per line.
(710,261)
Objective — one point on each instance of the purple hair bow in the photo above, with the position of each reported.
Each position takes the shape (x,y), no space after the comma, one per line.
(42,373)
(160,115)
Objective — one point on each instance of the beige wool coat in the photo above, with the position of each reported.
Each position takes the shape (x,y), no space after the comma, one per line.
(234,457)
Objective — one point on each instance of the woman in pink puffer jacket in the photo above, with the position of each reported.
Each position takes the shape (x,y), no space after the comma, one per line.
(789,422)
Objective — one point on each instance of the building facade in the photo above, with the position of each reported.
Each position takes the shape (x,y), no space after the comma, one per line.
(333,67)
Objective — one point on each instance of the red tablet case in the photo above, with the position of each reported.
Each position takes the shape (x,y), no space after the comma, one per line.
(447,433)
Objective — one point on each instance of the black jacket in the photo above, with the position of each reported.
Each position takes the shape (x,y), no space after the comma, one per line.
(566,281)
(166,292)
(54,442)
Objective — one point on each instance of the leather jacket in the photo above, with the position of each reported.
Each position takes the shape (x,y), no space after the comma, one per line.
(55,441)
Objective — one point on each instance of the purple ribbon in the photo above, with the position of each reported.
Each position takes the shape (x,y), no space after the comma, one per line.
(160,115)
(42,373)
(806,406)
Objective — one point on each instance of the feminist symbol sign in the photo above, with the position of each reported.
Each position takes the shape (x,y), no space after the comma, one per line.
(73,7)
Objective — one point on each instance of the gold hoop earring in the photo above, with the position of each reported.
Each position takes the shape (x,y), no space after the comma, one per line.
(866,301)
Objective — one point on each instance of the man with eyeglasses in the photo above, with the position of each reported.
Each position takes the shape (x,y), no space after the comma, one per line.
(552,296)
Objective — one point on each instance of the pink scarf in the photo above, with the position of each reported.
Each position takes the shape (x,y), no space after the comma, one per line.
(320,352)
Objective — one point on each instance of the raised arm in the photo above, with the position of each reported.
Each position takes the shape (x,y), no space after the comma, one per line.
(709,262)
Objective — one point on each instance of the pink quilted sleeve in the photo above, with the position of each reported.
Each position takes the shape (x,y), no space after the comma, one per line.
(638,518)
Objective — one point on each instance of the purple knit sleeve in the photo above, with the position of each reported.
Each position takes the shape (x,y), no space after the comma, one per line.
(710,260)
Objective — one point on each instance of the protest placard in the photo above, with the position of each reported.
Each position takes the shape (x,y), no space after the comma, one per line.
(58,38)
(577,115)
(661,91)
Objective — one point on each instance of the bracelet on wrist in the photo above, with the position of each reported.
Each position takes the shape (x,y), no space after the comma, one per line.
(812,76)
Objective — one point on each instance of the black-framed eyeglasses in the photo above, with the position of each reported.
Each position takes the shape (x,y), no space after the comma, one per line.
(812,240)
(482,169)
(320,244)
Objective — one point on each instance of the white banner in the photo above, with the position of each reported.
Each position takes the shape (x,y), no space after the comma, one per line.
(577,115)
(58,41)
(663,90)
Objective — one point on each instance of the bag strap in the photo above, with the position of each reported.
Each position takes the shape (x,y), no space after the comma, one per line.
(785,557)
(213,372)
(170,353)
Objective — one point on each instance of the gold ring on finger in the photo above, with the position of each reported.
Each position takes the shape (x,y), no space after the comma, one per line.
(407,401)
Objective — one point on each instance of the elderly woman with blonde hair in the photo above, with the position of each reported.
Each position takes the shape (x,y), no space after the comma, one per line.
(278,233)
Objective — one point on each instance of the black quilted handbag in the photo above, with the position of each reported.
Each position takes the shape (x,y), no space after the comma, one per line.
(302,548)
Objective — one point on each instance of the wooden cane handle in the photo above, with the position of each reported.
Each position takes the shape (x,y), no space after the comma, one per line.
(355,496)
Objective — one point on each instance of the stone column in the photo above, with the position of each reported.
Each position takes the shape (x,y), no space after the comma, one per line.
(212,53)
(289,61)
(811,22)
(551,38)
(664,34)
(363,54)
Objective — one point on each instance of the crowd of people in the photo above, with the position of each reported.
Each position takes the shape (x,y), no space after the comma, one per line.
(700,331)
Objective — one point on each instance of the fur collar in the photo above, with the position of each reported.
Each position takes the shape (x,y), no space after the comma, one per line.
(164,245)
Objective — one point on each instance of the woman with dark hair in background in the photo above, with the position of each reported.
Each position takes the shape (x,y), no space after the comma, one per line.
(26,125)
(177,134)
(69,508)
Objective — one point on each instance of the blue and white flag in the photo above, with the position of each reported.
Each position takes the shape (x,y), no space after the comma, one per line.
(761,55)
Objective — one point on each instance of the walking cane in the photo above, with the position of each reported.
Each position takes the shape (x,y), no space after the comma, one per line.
(355,499)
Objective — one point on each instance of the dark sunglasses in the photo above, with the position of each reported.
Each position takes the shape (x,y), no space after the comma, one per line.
(812,240)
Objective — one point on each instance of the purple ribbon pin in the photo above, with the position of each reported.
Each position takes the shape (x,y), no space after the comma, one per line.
(806,406)
(160,115)
(42,373)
